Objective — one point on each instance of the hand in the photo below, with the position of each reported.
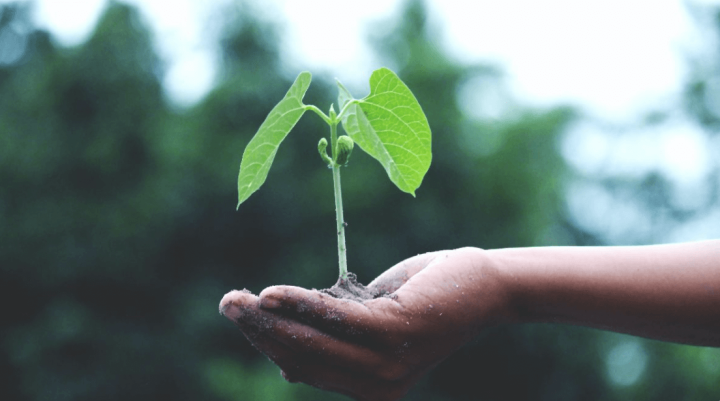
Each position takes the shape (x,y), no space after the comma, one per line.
(375,350)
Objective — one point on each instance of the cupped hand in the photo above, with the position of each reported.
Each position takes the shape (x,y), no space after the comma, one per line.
(377,349)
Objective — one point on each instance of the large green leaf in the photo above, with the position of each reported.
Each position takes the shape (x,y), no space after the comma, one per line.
(260,152)
(390,126)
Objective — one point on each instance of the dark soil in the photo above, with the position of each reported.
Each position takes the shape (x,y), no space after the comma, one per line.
(352,290)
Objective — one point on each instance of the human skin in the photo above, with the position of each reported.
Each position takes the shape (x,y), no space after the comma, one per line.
(376,350)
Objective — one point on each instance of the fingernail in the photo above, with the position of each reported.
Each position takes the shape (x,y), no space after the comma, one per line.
(269,303)
(231,311)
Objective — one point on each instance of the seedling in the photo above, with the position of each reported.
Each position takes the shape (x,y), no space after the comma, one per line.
(388,124)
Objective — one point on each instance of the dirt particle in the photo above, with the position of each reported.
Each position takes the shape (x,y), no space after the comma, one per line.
(350,289)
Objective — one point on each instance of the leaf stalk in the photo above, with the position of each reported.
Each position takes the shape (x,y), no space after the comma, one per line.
(345,108)
(318,112)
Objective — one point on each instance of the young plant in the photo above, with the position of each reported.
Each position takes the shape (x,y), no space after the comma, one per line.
(388,124)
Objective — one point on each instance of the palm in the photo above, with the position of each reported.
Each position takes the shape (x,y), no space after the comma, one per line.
(379,348)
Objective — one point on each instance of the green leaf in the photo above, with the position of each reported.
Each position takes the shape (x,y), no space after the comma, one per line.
(390,126)
(260,152)
(344,95)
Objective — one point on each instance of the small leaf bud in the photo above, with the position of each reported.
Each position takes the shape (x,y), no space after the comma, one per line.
(322,149)
(345,146)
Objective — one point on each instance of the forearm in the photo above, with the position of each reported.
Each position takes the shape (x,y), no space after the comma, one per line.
(665,292)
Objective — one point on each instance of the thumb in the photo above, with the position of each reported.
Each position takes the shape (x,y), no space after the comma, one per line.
(396,276)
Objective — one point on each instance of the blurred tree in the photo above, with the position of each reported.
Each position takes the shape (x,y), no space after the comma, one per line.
(119,236)
(119,212)
(702,100)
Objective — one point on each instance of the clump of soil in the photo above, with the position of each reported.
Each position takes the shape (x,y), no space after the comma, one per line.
(352,290)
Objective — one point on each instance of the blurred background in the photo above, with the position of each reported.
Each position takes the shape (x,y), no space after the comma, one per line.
(122,126)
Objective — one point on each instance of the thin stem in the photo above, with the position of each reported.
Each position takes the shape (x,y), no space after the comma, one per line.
(342,251)
(318,112)
(344,109)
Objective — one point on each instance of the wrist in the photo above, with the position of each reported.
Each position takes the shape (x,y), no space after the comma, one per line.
(492,287)
(516,302)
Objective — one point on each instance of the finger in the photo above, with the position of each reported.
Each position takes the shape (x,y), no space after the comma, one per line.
(288,342)
(240,300)
(282,339)
(306,340)
(449,275)
(394,277)
(276,351)
(372,319)
(348,382)
(241,307)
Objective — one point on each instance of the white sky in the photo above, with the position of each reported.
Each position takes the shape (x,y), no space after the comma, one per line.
(613,57)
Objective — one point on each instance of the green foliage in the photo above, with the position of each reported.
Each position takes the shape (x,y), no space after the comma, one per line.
(396,133)
(231,380)
(260,152)
(390,126)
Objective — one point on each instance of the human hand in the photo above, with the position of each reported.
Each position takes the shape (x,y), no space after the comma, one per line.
(377,349)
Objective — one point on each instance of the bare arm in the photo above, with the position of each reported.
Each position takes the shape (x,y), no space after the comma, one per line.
(665,292)
(376,350)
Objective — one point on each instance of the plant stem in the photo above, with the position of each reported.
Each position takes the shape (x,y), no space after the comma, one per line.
(318,112)
(342,251)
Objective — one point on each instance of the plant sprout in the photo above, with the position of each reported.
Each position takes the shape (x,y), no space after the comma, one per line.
(388,124)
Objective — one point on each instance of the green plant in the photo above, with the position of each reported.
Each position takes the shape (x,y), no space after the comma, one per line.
(388,124)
